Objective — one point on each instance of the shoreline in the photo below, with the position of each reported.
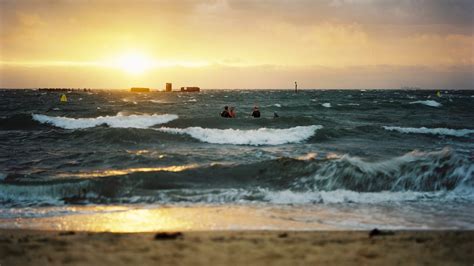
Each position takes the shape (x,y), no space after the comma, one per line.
(36,247)
(153,218)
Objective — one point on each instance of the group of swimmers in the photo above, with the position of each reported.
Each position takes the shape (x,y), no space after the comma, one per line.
(230,112)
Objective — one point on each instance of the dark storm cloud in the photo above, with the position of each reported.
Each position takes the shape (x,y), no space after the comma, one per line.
(454,12)
(457,13)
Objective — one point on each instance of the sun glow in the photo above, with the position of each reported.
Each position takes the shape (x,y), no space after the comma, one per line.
(134,63)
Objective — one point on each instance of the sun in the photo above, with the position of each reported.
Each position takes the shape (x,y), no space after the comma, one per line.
(134,63)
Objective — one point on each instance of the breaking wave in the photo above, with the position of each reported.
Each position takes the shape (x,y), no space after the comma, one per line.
(433,131)
(428,103)
(414,171)
(255,137)
(117,121)
(440,175)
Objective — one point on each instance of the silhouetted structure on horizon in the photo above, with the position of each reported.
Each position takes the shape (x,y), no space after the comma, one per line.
(169,87)
(63,89)
(138,89)
(190,89)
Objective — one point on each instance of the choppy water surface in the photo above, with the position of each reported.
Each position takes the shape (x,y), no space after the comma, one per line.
(340,158)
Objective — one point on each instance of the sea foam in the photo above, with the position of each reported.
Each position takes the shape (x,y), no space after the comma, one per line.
(256,137)
(117,121)
(418,171)
(428,103)
(433,131)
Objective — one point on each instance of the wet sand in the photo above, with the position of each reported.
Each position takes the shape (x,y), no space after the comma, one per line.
(27,247)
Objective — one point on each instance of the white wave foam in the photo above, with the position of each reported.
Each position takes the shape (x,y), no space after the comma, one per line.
(277,105)
(415,171)
(433,131)
(349,104)
(345,196)
(327,105)
(428,103)
(259,194)
(118,121)
(256,137)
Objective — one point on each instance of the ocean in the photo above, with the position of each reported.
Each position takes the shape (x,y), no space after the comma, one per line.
(332,159)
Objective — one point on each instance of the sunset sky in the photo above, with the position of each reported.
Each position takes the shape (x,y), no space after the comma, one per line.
(237,44)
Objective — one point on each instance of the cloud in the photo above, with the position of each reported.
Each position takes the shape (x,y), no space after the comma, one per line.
(454,12)
(279,33)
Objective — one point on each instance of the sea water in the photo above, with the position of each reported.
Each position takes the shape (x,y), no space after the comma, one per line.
(335,159)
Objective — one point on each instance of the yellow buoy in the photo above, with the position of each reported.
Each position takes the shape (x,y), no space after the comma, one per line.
(63,98)
(438,94)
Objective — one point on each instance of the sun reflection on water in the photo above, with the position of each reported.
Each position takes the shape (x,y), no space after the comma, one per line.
(129,219)
(173,168)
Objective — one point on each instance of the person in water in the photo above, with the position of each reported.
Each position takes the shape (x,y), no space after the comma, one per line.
(226,113)
(232,112)
(255,112)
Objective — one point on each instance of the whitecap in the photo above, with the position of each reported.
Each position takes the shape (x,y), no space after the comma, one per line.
(433,131)
(348,104)
(255,137)
(343,196)
(277,105)
(327,105)
(431,103)
(117,121)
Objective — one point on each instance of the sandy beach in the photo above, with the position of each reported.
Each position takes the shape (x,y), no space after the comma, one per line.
(25,247)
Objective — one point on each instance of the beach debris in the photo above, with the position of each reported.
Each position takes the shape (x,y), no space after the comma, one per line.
(377,232)
(168,236)
(283,235)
